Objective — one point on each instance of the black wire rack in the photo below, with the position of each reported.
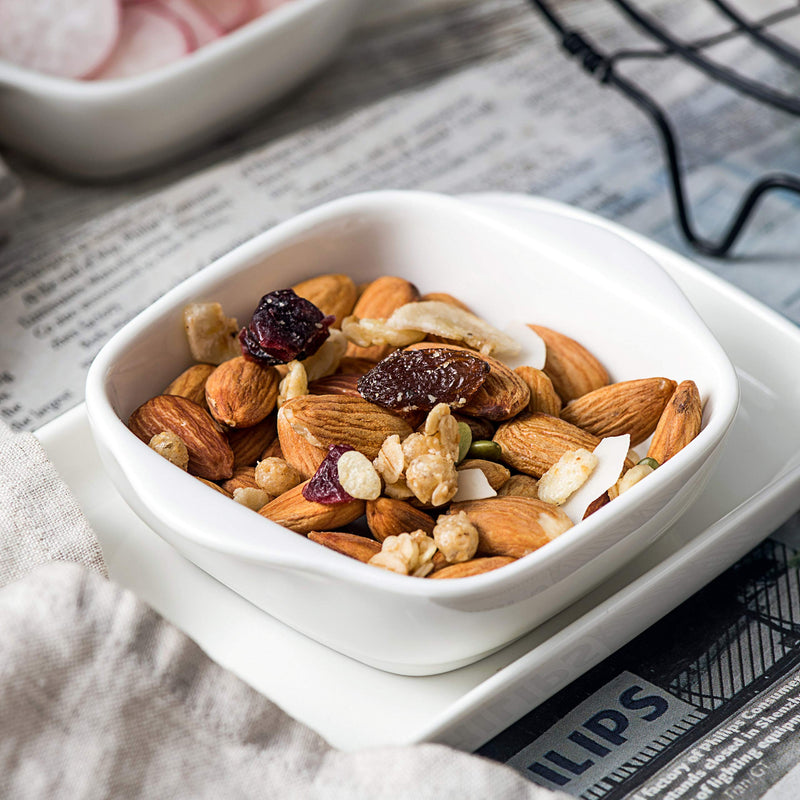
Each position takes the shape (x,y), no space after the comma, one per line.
(603,65)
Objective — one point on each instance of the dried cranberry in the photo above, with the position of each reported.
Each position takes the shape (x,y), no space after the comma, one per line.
(284,327)
(324,486)
(420,379)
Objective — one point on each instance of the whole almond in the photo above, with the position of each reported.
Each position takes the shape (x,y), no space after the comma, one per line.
(503,393)
(480,428)
(348,544)
(520,486)
(679,423)
(443,297)
(389,517)
(378,300)
(569,365)
(210,455)
(495,473)
(293,511)
(533,442)
(240,393)
(215,486)
(513,526)
(353,365)
(324,420)
(191,383)
(243,478)
(248,444)
(543,397)
(475,566)
(632,407)
(331,294)
(336,384)
(272,450)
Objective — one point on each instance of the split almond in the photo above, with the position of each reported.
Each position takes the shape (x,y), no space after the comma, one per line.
(389,517)
(513,526)
(332,294)
(240,393)
(570,366)
(293,511)
(348,544)
(679,424)
(475,566)
(379,300)
(631,407)
(210,455)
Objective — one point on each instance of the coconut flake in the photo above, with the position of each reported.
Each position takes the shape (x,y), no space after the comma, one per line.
(473,485)
(532,349)
(611,453)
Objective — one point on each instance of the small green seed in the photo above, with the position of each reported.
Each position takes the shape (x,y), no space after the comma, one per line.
(486,449)
(464,440)
(650,462)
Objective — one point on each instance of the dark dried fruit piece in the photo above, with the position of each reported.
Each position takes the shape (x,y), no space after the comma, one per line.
(284,327)
(324,486)
(408,380)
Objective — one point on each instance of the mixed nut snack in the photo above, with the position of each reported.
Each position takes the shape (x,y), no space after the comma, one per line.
(463,447)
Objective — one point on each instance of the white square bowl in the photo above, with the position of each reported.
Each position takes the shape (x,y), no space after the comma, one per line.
(621,305)
(111,128)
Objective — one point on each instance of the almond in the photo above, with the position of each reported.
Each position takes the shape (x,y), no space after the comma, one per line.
(331,294)
(533,442)
(210,455)
(389,517)
(570,366)
(513,526)
(475,566)
(215,486)
(336,384)
(378,300)
(240,393)
(520,486)
(324,420)
(543,397)
(503,393)
(632,407)
(443,297)
(348,544)
(191,383)
(481,429)
(353,365)
(293,511)
(248,444)
(272,450)
(495,473)
(679,423)
(243,478)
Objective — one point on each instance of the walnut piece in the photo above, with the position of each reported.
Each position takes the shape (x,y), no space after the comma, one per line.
(275,476)
(566,476)
(213,337)
(407,554)
(172,447)
(456,537)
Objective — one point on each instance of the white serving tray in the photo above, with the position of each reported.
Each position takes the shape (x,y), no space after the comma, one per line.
(755,487)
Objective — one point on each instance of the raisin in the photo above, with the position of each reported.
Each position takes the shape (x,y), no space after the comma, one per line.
(324,486)
(284,327)
(409,380)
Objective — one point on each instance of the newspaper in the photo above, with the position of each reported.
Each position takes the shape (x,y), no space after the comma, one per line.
(458,97)
(480,99)
(704,704)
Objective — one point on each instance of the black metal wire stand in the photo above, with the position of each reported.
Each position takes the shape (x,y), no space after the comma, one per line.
(602,65)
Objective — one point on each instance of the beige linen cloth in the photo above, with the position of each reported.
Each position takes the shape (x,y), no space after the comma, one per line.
(102,698)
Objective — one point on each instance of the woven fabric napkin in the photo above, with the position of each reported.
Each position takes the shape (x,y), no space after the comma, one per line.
(100,697)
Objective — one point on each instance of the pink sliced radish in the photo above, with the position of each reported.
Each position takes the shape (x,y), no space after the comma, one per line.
(151,37)
(68,38)
(204,27)
(230,14)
